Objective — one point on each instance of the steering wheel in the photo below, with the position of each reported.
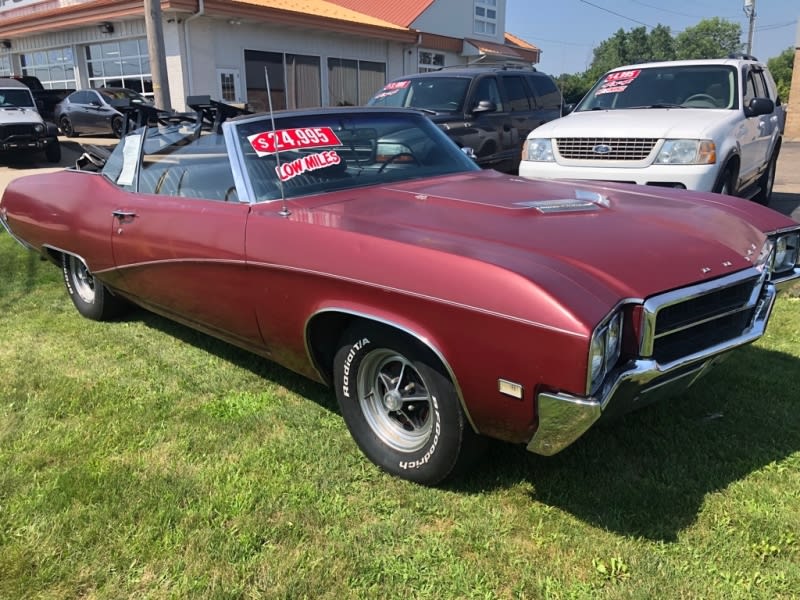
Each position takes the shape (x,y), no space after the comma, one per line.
(398,156)
(701,97)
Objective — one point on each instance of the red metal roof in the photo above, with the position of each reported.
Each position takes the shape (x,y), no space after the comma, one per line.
(399,13)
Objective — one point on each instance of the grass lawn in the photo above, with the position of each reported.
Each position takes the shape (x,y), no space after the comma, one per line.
(141,459)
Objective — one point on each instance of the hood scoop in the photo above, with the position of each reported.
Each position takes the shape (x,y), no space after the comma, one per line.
(584,201)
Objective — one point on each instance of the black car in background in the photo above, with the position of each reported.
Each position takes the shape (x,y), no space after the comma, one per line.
(490,109)
(93,111)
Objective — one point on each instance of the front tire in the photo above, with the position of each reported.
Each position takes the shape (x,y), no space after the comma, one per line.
(52,151)
(90,297)
(725,184)
(766,182)
(401,407)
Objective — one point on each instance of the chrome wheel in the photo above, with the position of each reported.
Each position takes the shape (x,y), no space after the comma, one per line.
(81,280)
(395,401)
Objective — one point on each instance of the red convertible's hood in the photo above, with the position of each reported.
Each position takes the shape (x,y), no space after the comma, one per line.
(632,243)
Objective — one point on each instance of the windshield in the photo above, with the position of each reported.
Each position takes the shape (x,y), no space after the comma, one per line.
(440,94)
(323,152)
(700,86)
(16,97)
(111,94)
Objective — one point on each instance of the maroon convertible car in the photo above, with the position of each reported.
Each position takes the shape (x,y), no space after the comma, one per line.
(362,248)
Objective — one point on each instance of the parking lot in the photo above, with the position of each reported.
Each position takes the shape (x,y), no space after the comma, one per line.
(785,196)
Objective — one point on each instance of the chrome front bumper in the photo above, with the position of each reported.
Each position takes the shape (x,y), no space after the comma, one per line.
(563,418)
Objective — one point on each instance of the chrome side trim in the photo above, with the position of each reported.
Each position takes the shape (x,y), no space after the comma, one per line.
(787,279)
(244,188)
(19,240)
(563,418)
(420,338)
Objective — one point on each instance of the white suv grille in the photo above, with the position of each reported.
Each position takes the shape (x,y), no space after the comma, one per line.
(605,148)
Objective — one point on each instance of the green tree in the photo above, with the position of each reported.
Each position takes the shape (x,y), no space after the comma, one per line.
(710,38)
(781,68)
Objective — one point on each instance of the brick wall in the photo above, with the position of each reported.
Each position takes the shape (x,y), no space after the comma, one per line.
(792,131)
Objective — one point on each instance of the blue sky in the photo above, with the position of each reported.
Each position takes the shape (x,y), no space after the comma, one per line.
(568,30)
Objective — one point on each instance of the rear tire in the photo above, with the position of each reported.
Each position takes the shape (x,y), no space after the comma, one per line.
(766,182)
(90,297)
(116,127)
(401,407)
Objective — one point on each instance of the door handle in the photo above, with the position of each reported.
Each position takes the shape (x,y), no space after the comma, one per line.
(124,215)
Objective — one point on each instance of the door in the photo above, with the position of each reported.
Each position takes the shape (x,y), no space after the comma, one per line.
(756,132)
(178,247)
(488,132)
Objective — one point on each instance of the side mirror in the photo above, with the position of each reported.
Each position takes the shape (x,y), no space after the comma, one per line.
(567,108)
(469,152)
(759,106)
(485,106)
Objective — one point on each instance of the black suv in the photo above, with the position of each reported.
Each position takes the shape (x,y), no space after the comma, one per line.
(490,109)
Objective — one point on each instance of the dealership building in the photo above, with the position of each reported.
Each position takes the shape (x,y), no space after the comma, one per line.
(315,52)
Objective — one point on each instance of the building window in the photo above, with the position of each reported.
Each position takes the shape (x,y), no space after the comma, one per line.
(294,80)
(5,66)
(227,85)
(486,17)
(353,82)
(430,61)
(120,64)
(55,68)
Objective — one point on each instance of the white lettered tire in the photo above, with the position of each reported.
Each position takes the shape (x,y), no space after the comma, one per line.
(400,406)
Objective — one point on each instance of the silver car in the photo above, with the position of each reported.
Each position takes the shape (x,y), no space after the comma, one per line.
(94,111)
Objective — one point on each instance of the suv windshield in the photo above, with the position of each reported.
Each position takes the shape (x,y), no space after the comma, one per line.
(700,86)
(441,94)
(16,97)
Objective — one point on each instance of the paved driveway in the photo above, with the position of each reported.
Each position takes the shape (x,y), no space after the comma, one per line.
(785,196)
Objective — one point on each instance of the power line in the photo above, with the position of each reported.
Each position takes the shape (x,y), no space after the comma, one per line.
(617,14)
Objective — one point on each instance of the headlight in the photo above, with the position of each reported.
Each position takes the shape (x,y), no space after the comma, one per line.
(604,350)
(538,149)
(687,152)
(787,247)
(38,128)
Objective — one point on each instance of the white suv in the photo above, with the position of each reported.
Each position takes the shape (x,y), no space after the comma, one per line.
(711,125)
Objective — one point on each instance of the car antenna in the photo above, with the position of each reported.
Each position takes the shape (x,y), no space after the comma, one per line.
(284,212)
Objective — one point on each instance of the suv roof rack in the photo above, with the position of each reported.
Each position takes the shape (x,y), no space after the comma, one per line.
(742,56)
(510,66)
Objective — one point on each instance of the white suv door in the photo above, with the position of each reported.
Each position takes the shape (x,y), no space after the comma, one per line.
(758,130)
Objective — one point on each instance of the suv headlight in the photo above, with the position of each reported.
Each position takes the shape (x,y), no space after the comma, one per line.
(787,248)
(687,152)
(604,350)
(38,128)
(538,150)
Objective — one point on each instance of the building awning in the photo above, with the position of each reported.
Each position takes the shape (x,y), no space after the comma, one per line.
(495,51)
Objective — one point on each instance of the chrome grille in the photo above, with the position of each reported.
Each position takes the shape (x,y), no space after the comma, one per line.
(684,322)
(609,148)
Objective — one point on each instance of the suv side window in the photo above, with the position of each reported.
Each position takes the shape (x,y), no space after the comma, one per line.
(749,88)
(761,86)
(547,94)
(517,93)
(487,90)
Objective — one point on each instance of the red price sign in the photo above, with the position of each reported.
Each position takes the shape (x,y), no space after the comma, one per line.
(270,142)
(623,75)
(397,85)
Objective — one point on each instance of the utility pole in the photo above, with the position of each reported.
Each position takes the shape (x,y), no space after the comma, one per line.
(750,11)
(158,58)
